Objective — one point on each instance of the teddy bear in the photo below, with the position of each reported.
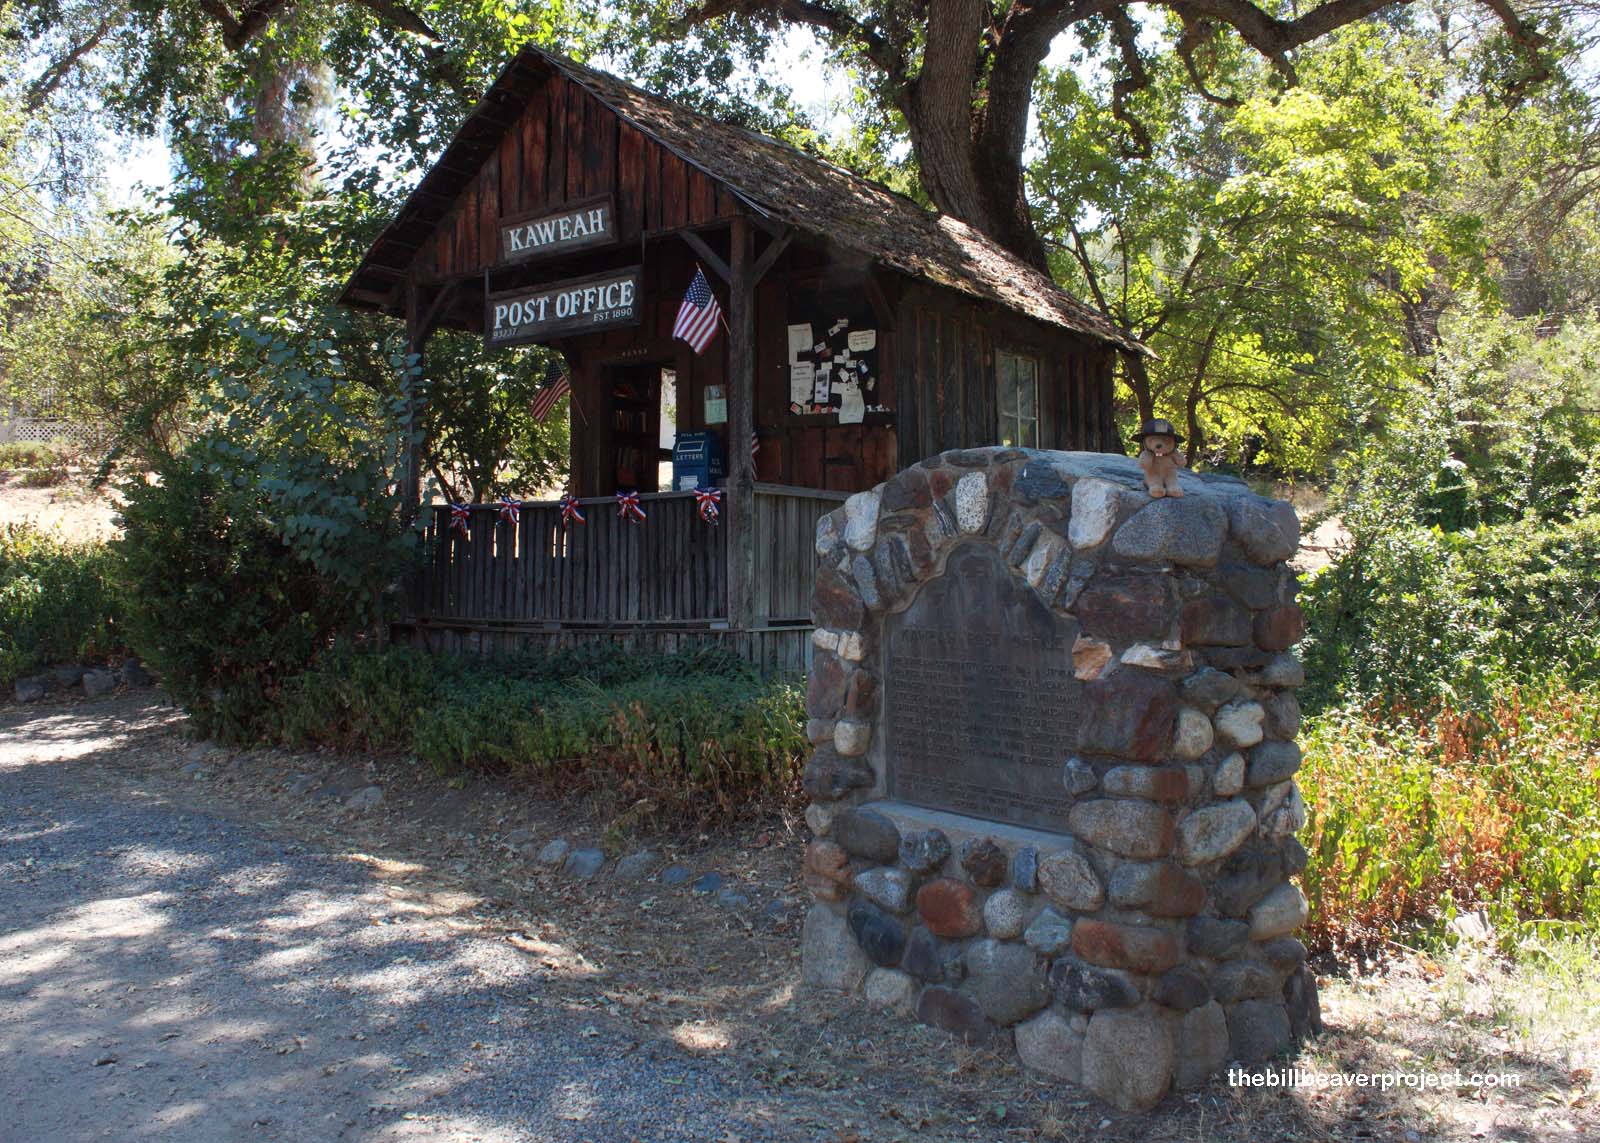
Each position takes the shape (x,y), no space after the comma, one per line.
(1158,457)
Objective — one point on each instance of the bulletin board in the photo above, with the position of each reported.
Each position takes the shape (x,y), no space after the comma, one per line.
(833,357)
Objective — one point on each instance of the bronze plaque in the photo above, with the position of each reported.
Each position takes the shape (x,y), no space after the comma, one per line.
(981,704)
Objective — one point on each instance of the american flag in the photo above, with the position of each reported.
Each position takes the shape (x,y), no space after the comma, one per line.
(699,314)
(556,386)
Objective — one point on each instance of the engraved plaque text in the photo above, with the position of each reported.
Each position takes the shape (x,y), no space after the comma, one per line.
(981,704)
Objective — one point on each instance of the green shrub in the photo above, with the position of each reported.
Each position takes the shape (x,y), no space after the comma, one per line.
(30,454)
(696,743)
(42,478)
(57,602)
(1427,615)
(217,600)
(1414,815)
(354,698)
(695,733)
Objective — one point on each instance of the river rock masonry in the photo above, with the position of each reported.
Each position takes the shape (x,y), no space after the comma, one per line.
(1053,798)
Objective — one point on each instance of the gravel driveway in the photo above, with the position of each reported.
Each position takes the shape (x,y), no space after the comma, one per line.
(172,975)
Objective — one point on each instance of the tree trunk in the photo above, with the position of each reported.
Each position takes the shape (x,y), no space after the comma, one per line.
(1191,411)
(1137,375)
(968,128)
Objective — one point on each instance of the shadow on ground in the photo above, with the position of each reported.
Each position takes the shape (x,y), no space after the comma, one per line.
(181,970)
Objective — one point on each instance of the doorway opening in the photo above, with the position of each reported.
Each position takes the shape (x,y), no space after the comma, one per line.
(644,423)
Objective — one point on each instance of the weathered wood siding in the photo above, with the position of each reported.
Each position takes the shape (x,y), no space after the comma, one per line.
(786,551)
(567,146)
(672,567)
(947,379)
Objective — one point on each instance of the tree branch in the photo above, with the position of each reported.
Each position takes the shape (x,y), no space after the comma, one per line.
(868,40)
(1135,78)
(237,31)
(1275,38)
(42,88)
(1080,251)
(1197,34)
(399,16)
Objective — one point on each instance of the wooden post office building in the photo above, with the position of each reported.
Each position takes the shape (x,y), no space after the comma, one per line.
(860,333)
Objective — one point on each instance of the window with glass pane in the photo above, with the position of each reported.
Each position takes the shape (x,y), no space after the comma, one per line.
(1019,400)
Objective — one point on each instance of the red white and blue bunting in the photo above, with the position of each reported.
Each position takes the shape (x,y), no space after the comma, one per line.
(707,500)
(461,519)
(629,508)
(510,511)
(571,510)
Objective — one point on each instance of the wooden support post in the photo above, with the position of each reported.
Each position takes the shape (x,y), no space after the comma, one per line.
(741,420)
(707,255)
(411,469)
(421,321)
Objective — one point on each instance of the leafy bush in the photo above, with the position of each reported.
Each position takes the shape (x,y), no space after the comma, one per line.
(354,698)
(217,600)
(39,464)
(705,741)
(1427,615)
(692,734)
(1415,815)
(267,537)
(42,478)
(57,602)
(29,454)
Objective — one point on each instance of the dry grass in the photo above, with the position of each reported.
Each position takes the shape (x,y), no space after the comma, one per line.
(71,509)
(720,985)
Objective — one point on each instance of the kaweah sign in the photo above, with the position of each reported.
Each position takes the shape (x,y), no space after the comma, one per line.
(575,226)
(517,317)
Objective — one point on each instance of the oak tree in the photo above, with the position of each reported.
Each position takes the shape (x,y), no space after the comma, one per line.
(961,73)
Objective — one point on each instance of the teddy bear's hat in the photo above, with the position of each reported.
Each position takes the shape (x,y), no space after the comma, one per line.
(1158,427)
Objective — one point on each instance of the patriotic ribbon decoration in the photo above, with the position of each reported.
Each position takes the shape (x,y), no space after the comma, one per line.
(707,499)
(460,519)
(571,510)
(629,508)
(510,511)
(755,446)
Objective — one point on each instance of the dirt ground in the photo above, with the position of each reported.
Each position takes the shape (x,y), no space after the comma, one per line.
(714,983)
(71,508)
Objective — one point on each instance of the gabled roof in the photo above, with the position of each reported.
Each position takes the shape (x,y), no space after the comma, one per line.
(772,178)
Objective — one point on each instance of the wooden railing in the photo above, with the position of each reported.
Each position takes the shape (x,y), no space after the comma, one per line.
(669,569)
(786,550)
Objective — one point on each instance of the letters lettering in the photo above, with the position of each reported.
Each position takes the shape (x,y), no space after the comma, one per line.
(569,229)
(535,314)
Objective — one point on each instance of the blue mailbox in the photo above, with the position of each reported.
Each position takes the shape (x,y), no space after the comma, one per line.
(696,460)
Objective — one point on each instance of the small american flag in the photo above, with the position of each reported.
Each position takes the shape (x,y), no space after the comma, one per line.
(699,314)
(556,386)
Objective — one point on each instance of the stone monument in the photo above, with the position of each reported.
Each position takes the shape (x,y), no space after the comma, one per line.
(1052,790)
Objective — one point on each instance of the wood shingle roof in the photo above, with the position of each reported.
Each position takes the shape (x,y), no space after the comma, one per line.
(772,178)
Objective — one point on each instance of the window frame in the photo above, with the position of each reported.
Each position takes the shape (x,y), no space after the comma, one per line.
(1013,419)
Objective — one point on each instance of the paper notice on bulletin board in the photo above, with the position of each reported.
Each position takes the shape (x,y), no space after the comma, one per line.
(802,376)
(852,409)
(861,340)
(716,401)
(800,340)
(823,388)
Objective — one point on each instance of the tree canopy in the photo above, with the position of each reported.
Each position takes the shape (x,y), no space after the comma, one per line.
(960,74)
